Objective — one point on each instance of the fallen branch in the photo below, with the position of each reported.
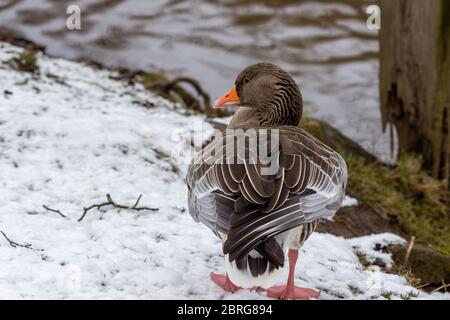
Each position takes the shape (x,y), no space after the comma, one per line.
(110,202)
(55,211)
(15,244)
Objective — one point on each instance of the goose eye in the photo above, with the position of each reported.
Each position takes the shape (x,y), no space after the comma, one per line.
(246,80)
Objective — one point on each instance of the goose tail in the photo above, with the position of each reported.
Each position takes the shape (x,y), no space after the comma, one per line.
(257,269)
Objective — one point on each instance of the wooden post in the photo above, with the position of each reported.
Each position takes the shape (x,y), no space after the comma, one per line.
(415,78)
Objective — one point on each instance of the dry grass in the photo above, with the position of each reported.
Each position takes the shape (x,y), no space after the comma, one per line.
(405,194)
(406,273)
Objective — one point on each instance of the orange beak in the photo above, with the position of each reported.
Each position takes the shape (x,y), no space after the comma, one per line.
(228,100)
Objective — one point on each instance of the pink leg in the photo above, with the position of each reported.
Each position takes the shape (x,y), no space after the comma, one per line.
(290,291)
(224,282)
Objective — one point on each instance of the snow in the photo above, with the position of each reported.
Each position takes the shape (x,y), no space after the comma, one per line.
(349,202)
(73,134)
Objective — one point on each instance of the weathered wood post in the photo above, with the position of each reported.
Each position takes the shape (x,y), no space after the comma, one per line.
(415,78)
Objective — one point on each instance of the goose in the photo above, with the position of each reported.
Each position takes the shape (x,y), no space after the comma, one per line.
(263,184)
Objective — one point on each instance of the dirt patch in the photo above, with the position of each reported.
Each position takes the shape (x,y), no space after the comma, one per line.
(360,221)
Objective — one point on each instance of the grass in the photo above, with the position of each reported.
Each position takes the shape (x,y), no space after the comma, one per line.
(407,274)
(418,203)
(25,61)
(387,294)
(363,260)
(404,296)
(409,295)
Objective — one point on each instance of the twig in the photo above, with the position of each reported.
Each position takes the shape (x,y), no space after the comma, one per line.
(115,205)
(137,202)
(110,202)
(135,206)
(98,206)
(15,244)
(56,211)
(408,251)
(443,287)
(423,286)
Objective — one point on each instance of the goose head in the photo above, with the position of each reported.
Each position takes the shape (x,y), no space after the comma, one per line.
(266,96)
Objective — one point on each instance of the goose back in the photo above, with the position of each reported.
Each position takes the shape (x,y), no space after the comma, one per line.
(229,194)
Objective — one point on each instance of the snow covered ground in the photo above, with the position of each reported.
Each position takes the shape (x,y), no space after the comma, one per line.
(73,134)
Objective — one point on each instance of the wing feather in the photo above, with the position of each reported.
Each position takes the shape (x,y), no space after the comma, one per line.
(234,198)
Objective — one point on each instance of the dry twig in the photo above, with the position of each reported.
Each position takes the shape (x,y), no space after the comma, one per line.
(110,202)
(56,211)
(443,287)
(406,273)
(408,251)
(15,244)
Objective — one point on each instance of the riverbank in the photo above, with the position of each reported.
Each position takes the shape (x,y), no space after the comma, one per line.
(324,45)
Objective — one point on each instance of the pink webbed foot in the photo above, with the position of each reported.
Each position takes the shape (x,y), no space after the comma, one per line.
(292,293)
(224,282)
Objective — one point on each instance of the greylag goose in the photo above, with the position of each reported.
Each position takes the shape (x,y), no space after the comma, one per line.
(264,206)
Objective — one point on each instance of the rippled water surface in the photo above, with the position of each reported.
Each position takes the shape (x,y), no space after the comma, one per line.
(324,44)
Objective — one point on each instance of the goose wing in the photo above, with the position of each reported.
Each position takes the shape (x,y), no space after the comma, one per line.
(250,194)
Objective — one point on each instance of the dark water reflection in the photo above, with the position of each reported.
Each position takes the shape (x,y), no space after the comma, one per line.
(324,44)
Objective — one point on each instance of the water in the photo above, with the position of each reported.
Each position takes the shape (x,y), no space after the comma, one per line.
(325,45)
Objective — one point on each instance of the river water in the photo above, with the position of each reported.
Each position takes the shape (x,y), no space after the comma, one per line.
(325,45)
